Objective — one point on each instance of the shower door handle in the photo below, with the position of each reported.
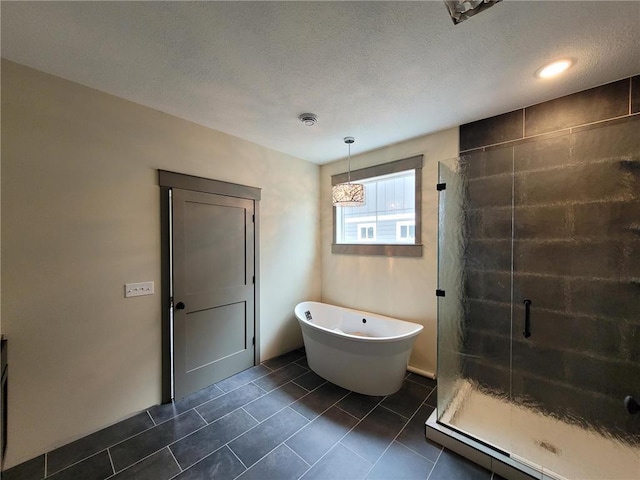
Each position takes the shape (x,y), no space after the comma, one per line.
(527,319)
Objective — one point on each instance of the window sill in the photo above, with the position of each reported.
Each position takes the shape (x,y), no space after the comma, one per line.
(389,250)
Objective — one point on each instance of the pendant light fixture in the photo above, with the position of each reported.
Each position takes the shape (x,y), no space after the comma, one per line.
(348,194)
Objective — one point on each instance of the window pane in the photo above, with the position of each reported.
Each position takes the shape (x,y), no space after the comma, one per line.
(389,207)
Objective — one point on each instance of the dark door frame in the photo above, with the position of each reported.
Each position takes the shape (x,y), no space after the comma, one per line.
(167,181)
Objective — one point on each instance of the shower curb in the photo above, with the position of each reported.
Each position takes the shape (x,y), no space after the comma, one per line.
(478,453)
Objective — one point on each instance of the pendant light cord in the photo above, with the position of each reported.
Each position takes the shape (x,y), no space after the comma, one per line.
(349,171)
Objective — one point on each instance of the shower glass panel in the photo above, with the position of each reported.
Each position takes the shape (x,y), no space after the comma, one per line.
(451,243)
(474,316)
(539,325)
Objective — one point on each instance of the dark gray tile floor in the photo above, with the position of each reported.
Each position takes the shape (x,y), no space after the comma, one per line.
(278,420)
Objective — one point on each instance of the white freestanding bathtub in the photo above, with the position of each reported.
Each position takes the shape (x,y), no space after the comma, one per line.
(359,351)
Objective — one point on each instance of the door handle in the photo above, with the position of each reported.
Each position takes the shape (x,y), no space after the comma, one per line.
(631,405)
(527,319)
(180,306)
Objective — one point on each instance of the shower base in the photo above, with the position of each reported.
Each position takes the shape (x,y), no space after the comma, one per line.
(541,446)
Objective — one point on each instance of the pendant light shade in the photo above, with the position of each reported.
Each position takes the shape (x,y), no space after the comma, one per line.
(348,194)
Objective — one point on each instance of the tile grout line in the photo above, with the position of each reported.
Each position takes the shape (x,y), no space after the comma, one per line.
(152,420)
(46,457)
(175,459)
(180,438)
(272,391)
(245,410)
(339,441)
(435,463)
(393,411)
(560,131)
(197,430)
(288,381)
(235,455)
(147,429)
(407,424)
(414,451)
(395,439)
(200,415)
(379,404)
(237,408)
(136,462)
(294,452)
(421,384)
(111,445)
(302,386)
(351,415)
(282,442)
(202,459)
(226,444)
(211,399)
(387,448)
(113,468)
(250,381)
(308,392)
(258,387)
(207,455)
(335,404)
(49,474)
(357,455)
(324,411)
(238,436)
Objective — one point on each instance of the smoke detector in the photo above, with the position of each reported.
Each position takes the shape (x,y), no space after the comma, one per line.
(308,119)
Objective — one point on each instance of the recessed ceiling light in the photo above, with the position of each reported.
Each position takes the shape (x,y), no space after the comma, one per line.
(554,68)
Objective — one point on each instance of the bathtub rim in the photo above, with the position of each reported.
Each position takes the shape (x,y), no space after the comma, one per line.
(413,333)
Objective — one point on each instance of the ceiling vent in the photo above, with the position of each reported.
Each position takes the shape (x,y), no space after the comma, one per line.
(460,10)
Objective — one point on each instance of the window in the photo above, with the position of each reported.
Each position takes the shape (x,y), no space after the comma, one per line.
(389,222)
(406,231)
(366,232)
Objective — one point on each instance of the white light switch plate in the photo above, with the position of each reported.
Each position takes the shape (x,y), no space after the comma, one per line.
(138,289)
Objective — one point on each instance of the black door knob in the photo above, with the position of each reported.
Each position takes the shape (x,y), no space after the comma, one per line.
(180,306)
(631,405)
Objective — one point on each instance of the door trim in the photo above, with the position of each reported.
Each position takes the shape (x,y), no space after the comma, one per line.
(207,185)
(168,180)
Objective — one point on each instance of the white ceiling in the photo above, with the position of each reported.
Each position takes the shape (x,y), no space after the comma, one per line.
(383,72)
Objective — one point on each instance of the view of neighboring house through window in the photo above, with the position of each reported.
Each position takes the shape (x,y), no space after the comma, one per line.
(406,231)
(389,221)
(388,216)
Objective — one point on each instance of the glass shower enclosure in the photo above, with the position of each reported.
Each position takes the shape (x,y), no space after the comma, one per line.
(539,306)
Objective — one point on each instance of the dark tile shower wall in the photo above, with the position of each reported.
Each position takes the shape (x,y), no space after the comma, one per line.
(570,197)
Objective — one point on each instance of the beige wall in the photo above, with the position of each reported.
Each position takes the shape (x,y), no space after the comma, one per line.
(81,217)
(398,287)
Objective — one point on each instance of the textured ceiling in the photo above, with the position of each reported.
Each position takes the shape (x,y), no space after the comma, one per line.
(383,72)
